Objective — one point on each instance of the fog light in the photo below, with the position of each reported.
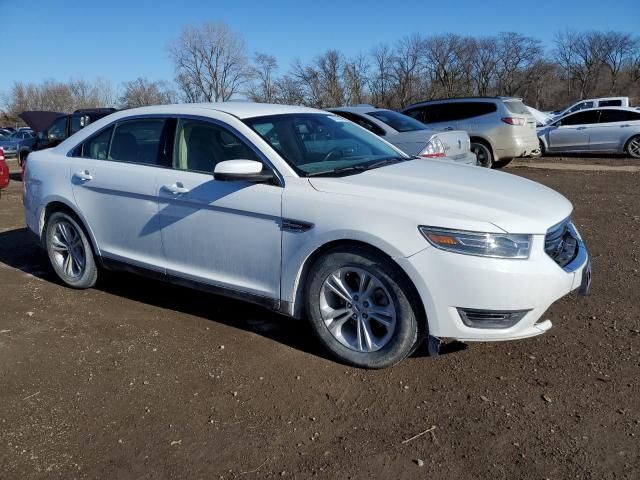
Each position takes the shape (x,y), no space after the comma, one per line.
(490,318)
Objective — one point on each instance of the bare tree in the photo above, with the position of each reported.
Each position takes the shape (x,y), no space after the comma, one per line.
(406,69)
(210,61)
(356,79)
(484,63)
(263,87)
(444,57)
(381,75)
(616,51)
(516,54)
(141,92)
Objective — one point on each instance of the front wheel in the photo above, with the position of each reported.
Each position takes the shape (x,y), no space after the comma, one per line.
(70,251)
(362,308)
(633,147)
(483,154)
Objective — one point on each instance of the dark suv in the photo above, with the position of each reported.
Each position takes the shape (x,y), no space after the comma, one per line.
(500,128)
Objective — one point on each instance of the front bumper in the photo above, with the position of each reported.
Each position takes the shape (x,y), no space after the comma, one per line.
(448,281)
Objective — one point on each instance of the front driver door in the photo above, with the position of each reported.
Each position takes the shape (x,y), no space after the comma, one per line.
(218,233)
(571,133)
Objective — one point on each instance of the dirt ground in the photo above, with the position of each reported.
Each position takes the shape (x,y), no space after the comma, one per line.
(138,379)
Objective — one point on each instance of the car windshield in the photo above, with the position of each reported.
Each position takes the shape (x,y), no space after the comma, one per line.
(398,121)
(517,107)
(319,144)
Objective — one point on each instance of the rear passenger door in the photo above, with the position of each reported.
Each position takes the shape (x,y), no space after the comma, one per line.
(612,131)
(113,174)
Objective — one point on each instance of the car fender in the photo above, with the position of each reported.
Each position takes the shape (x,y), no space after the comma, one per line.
(298,257)
(57,199)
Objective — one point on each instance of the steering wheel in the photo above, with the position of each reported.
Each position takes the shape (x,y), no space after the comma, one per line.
(331,153)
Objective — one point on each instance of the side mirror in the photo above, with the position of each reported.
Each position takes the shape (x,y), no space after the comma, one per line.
(241,171)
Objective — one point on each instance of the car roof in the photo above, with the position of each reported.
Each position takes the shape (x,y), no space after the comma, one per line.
(237,109)
(364,109)
(464,99)
(626,109)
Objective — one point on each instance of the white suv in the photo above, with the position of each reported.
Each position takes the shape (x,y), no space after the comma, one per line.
(308,214)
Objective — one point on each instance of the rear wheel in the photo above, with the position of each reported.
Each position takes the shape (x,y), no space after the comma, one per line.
(633,147)
(483,154)
(362,308)
(70,251)
(502,163)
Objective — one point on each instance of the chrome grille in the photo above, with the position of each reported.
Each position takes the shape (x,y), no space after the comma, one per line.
(560,245)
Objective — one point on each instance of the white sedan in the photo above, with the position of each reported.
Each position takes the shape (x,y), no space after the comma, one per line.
(310,215)
(411,136)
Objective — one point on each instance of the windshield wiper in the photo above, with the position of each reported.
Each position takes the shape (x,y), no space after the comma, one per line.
(357,168)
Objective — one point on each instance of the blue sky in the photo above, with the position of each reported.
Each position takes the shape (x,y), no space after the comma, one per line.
(121,40)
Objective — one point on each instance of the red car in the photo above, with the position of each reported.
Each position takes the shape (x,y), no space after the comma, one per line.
(4,171)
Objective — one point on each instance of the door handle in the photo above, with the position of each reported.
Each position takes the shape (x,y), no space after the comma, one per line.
(581,128)
(84,175)
(177,188)
(447,129)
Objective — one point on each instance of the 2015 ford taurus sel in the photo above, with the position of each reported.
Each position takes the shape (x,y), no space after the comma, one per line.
(310,215)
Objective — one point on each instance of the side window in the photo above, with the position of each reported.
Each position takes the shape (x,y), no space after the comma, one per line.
(581,118)
(58,129)
(363,122)
(200,146)
(76,124)
(425,113)
(97,146)
(608,116)
(417,113)
(137,141)
(610,103)
(581,106)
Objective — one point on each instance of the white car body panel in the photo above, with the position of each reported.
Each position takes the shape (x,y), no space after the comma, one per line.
(231,234)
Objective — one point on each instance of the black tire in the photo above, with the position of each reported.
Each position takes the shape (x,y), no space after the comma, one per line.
(502,163)
(483,154)
(410,327)
(633,147)
(22,157)
(87,271)
(543,151)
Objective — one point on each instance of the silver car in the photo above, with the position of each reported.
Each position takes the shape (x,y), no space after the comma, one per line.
(605,130)
(501,128)
(410,135)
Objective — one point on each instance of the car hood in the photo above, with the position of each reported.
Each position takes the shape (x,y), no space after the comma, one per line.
(446,195)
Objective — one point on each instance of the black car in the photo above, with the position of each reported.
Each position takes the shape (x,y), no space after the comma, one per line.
(54,127)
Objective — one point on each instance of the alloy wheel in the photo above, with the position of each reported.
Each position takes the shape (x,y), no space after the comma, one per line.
(68,250)
(357,309)
(634,147)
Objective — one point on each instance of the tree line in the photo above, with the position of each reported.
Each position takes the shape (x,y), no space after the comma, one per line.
(212,63)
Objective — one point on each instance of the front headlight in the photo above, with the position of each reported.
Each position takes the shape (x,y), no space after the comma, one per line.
(497,245)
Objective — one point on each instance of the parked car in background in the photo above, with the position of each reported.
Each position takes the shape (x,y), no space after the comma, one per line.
(541,118)
(592,103)
(54,127)
(18,144)
(4,172)
(410,135)
(308,214)
(4,133)
(500,128)
(605,130)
